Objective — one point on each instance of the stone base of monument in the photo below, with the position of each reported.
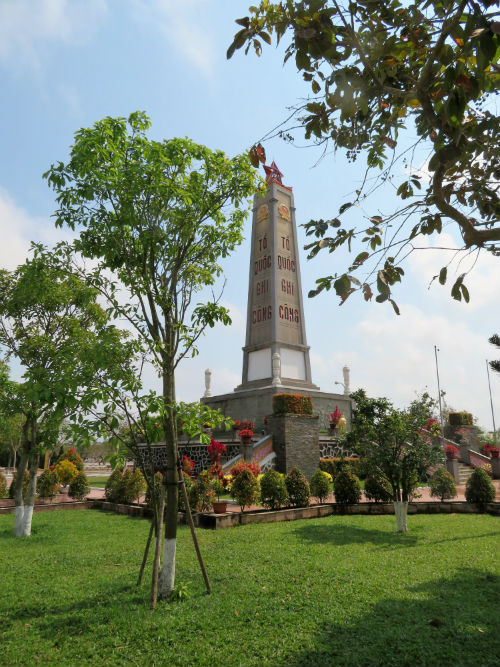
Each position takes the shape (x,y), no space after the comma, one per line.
(255,404)
(295,442)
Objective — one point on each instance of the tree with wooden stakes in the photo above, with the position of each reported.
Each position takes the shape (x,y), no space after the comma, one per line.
(51,323)
(159,215)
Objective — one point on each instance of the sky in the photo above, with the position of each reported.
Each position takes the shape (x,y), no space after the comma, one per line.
(65,64)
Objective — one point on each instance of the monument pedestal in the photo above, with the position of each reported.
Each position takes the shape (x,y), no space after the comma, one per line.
(296,442)
(255,404)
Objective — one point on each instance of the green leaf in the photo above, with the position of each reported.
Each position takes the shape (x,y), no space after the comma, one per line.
(442,275)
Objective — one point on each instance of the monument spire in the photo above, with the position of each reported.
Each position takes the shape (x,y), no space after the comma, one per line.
(276,348)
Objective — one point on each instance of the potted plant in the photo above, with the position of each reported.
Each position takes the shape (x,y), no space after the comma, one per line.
(334,420)
(495,452)
(451,452)
(219,506)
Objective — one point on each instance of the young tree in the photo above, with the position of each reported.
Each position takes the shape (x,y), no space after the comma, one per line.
(376,68)
(50,321)
(160,215)
(391,441)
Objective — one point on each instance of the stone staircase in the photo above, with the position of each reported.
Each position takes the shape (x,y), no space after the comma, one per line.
(464,472)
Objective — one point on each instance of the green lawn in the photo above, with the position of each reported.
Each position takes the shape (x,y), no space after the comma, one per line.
(98,481)
(334,591)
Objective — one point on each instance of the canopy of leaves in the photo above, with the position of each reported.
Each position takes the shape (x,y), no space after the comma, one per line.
(391,441)
(51,322)
(160,215)
(374,69)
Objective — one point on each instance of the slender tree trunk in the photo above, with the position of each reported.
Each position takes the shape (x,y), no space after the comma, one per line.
(167,574)
(18,494)
(146,552)
(401,512)
(29,501)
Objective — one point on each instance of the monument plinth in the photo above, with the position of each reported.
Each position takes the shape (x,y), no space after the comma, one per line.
(276,354)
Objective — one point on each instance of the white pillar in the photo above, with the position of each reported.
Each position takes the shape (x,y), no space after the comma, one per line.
(346,372)
(208,376)
(276,369)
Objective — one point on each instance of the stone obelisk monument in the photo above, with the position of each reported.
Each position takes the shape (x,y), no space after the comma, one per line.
(276,354)
(276,332)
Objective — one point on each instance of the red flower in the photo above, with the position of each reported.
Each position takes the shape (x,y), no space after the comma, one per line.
(216,450)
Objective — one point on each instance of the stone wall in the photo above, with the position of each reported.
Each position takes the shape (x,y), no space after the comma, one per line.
(196,452)
(295,441)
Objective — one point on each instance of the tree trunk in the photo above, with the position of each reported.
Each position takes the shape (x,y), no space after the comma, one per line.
(167,574)
(29,501)
(401,512)
(18,494)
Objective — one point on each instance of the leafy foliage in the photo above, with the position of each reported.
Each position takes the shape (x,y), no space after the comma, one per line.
(65,471)
(245,489)
(3,486)
(346,488)
(298,489)
(238,468)
(442,484)
(292,403)
(320,485)
(124,486)
(47,485)
(79,486)
(377,487)
(273,493)
(26,481)
(376,69)
(391,441)
(202,493)
(479,488)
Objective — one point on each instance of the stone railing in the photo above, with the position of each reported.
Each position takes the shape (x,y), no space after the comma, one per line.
(330,449)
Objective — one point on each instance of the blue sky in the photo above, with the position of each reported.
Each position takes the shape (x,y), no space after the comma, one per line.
(66,63)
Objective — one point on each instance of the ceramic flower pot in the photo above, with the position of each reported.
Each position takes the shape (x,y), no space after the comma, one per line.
(219,506)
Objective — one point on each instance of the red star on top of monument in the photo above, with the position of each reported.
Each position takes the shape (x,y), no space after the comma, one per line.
(273,175)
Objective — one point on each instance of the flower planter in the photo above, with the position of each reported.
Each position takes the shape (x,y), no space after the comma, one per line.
(219,506)
(495,455)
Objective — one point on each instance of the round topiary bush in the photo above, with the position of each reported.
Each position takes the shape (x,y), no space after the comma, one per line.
(298,489)
(346,488)
(479,489)
(245,489)
(79,486)
(202,493)
(112,488)
(66,471)
(320,485)
(377,487)
(273,491)
(74,458)
(442,484)
(47,484)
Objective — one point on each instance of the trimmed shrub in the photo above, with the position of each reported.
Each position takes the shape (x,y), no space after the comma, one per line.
(298,489)
(47,485)
(245,489)
(239,467)
(320,485)
(479,488)
(377,487)
(460,419)
(66,471)
(202,493)
(273,491)
(334,465)
(442,484)
(26,481)
(112,488)
(346,488)
(297,404)
(3,486)
(79,486)
(73,457)
(158,479)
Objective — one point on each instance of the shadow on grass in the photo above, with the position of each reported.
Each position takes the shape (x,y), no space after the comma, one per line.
(342,535)
(446,623)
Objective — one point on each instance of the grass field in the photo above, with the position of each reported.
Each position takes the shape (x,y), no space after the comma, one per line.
(338,591)
(98,481)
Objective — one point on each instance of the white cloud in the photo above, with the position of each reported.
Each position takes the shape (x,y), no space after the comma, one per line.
(28,26)
(482,279)
(18,229)
(179,22)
